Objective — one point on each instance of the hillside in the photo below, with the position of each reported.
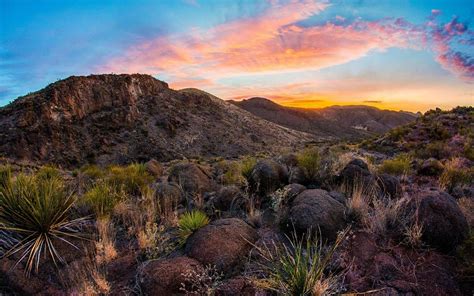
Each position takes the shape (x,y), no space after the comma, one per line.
(346,122)
(124,118)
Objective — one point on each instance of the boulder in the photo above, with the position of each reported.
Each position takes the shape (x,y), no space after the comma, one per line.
(444,224)
(355,171)
(223,243)
(267,176)
(166,276)
(315,209)
(389,185)
(154,168)
(191,177)
(229,198)
(292,191)
(431,167)
(339,196)
(168,194)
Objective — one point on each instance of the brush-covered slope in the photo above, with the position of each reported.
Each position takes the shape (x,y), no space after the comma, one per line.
(124,118)
(340,122)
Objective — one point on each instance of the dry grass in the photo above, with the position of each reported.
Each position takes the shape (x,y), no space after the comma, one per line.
(358,204)
(413,234)
(85,277)
(105,245)
(454,174)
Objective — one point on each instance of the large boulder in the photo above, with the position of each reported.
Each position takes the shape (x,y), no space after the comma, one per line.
(431,167)
(223,243)
(228,198)
(315,209)
(389,185)
(356,171)
(192,178)
(154,168)
(166,276)
(168,194)
(239,286)
(444,225)
(267,176)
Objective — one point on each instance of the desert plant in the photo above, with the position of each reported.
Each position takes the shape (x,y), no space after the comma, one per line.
(189,222)
(202,282)
(102,198)
(358,201)
(92,171)
(233,174)
(5,174)
(454,174)
(300,268)
(105,244)
(247,165)
(38,210)
(309,160)
(413,235)
(399,165)
(132,178)
(48,172)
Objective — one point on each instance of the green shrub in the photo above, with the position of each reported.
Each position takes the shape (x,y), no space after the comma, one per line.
(102,198)
(48,172)
(232,173)
(92,171)
(399,165)
(436,149)
(247,165)
(299,268)
(309,161)
(37,210)
(189,222)
(132,178)
(454,174)
(5,174)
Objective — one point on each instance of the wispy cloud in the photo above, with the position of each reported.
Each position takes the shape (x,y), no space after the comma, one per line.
(275,41)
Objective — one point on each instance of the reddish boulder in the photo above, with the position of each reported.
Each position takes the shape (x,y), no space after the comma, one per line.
(166,276)
(223,243)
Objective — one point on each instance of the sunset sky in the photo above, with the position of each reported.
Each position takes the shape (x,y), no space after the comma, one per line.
(410,55)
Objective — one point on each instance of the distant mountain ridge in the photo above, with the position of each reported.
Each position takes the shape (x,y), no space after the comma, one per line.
(347,122)
(125,118)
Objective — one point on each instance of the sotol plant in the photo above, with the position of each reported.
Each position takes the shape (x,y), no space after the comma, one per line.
(190,222)
(299,268)
(37,210)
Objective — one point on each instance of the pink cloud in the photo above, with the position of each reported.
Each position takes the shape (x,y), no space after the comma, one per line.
(274,41)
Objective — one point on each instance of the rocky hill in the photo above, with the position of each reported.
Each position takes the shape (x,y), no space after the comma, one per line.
(124,118)
(346,122)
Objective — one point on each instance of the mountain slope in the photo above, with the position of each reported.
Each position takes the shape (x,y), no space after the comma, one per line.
(347,122)
(124,118)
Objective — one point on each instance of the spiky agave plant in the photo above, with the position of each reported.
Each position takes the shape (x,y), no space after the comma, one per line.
(37,212)
(299,267)
(190,222)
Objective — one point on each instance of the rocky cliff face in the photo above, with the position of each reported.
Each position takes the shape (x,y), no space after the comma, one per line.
(124,118)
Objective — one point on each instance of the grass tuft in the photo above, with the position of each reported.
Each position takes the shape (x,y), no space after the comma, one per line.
(400,165)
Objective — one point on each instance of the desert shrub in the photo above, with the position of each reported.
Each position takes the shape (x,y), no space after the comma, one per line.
(85,277)
(436,149)
(189,222)
(92,171)
(246,166)
(201,282)
(105,250)
(400,165)
(232,173)
(154,241)
(465,254)
(438,132)
(5,174)
(309,161)
(102,198)
(38,211)
(454,174)
(300,268)
(398,133)
(132,178)
(48,172)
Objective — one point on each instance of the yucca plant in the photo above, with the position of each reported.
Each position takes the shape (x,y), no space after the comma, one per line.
(37,211)
(300,267)
(189,222)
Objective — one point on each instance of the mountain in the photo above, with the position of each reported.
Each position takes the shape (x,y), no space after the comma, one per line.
(124,118)
(346,122)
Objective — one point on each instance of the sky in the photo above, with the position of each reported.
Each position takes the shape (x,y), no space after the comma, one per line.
(399,55)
